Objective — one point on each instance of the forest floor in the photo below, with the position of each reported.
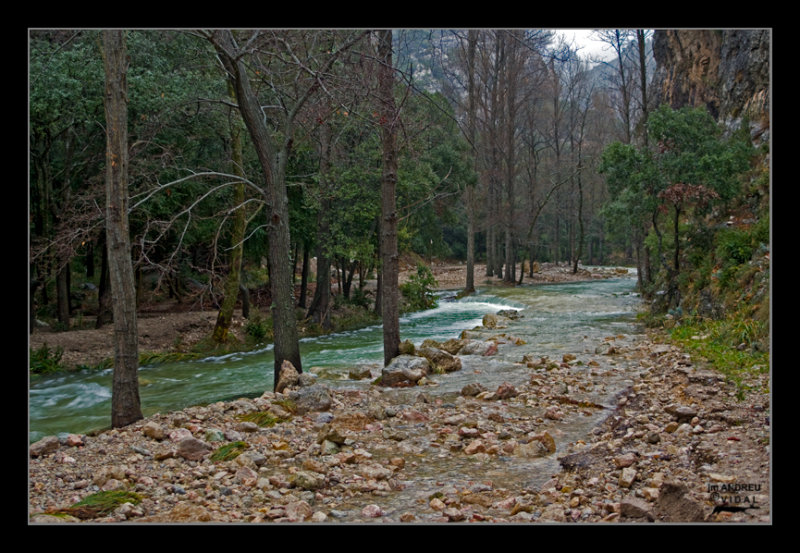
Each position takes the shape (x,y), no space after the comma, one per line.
(168,326)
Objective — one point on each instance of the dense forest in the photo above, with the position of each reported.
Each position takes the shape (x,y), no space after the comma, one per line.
(268,164)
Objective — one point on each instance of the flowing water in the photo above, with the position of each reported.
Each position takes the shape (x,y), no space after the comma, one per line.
(556,319)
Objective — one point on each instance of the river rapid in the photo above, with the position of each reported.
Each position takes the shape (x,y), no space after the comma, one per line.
(556,319)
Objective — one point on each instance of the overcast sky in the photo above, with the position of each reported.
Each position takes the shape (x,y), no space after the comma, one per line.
(589,47)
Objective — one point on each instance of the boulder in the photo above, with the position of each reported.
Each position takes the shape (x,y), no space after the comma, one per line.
(44,446)
(311,398)
(287,377)
(475,347)
(154,430)
(472,389)
(193,449)
(585,458)
(452,346)
(633,507)
(683,413)
(673,504)
(360,372)
(441,360)
(405,369)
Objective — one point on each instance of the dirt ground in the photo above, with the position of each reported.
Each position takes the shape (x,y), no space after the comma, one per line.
(169,327)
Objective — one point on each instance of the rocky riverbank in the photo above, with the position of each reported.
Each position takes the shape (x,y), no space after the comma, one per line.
(676,445)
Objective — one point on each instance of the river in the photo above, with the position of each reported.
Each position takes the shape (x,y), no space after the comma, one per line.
(555,319)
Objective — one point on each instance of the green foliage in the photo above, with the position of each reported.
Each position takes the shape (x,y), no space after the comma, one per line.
(668,194)
(45,360)
(418,292)
(735,245)
(732,345)
(692,150)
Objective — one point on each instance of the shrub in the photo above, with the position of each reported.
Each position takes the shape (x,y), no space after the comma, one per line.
(419,290)
(735,245)
(258,327)
(45,360)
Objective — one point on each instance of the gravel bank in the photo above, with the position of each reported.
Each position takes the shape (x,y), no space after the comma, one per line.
(677,446)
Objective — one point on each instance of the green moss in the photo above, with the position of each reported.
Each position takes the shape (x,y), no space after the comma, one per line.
(228,451)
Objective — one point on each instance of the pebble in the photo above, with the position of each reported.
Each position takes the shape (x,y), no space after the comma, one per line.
(363,450)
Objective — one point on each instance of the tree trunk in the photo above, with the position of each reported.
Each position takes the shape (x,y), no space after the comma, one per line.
(390,262)
(286,341)
(579,249)
(469,196)
(62,295)
(125,403)
(304,278)
(320,311)
(104,309)
(231,289)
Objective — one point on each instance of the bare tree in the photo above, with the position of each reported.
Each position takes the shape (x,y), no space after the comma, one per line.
(291,67)
(272,160)
(619,40)
(125,402)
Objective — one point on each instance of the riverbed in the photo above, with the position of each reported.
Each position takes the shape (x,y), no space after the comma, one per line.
(577,423)
(554,319)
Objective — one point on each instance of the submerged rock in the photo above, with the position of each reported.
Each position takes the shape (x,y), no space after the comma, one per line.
(490,321)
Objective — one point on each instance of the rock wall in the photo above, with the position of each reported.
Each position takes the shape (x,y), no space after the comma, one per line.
(728,71)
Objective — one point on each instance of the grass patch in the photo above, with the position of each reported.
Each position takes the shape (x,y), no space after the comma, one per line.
(99,504)
(228,451)
(733,346)
(287,404)
(264,419)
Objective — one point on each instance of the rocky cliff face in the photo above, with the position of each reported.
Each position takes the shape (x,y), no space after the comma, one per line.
(728,71)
